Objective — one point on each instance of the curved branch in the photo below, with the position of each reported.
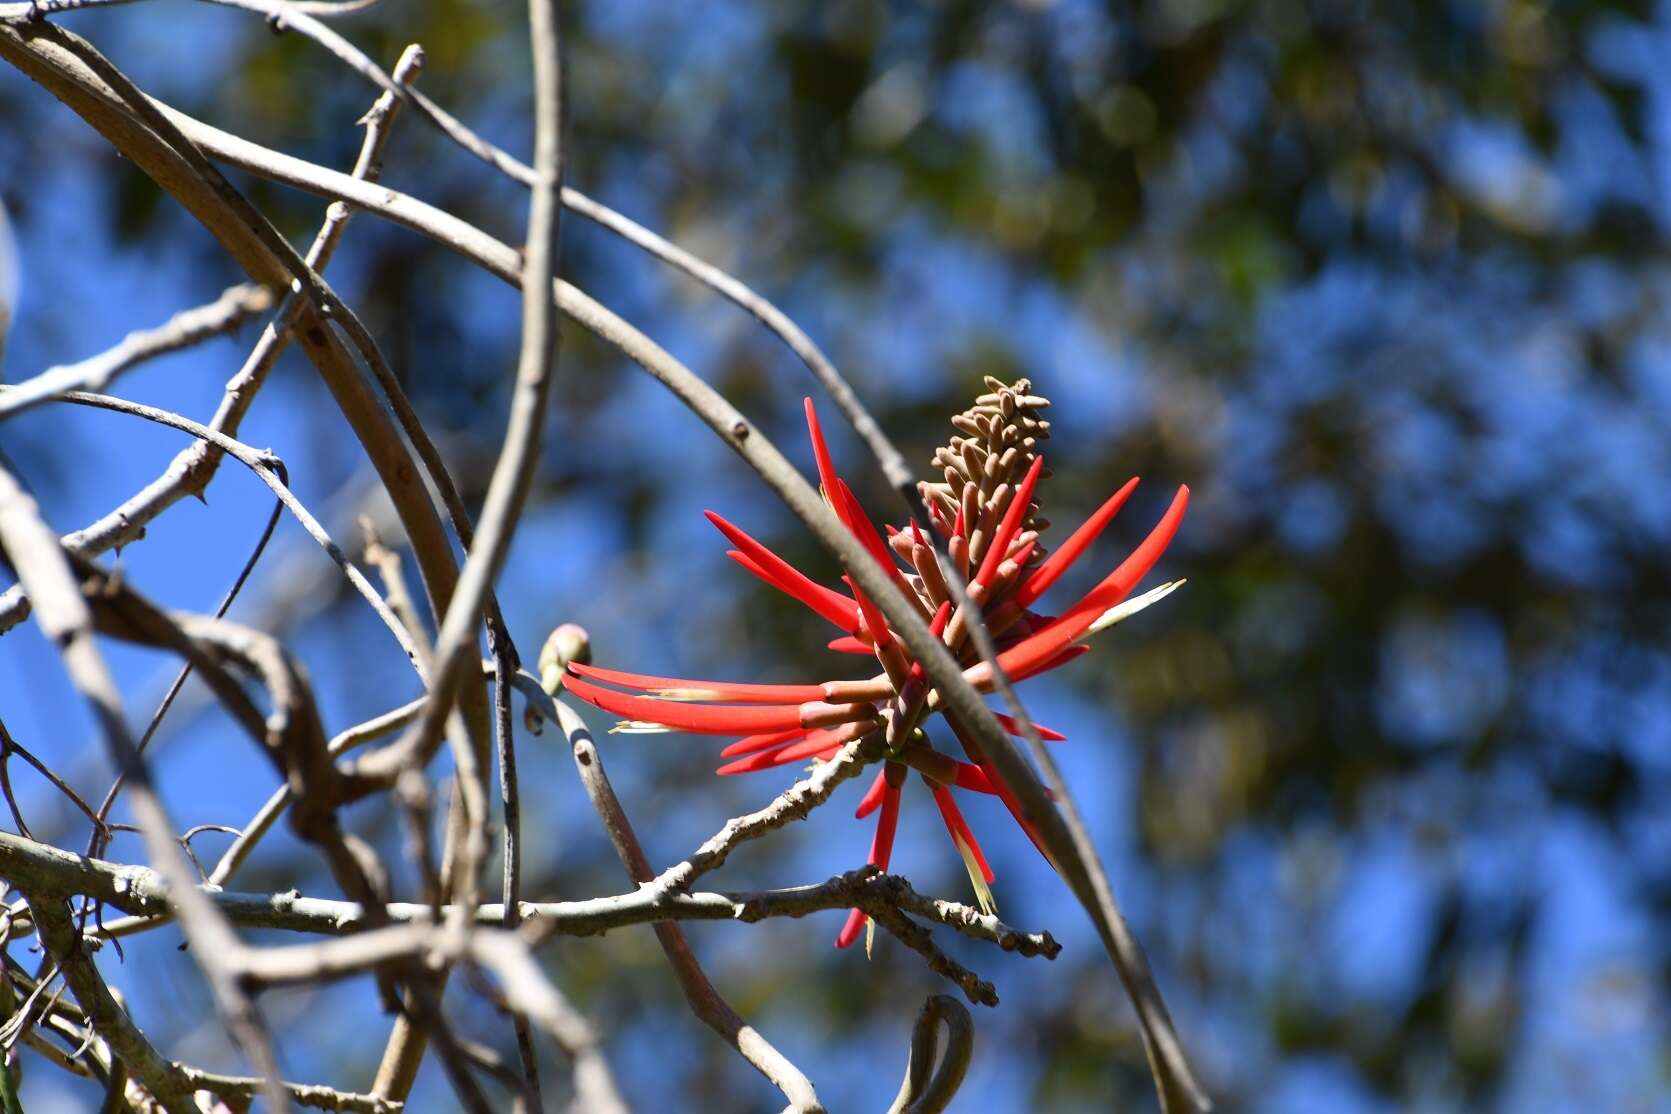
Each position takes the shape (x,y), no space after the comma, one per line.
(920,1093)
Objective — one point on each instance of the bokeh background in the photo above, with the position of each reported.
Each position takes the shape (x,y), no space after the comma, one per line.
(1383,788)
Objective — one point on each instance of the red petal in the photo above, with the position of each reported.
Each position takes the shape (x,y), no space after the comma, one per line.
(975,779)
(971,748)
(698,719)
(875,622)
(862,528)
(819,744)
(850,931)
(850,645)
(881,850)
(755,743)
(957,826)
(939,517)
(1036,648)
(835,607)
(820,451)
(1014,728)
(1078,542)
(1048,664)
(825,601)
(724,691)
(1011,525)
(882,845)
(872,799)
(936,627)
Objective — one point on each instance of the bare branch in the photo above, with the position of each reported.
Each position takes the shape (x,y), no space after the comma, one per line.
(185,329)
(65,618)
(58,935)
(143,892)
(704,999)
(919,1092)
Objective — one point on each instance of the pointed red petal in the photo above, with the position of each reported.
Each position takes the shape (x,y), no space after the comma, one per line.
(847,644)
(835,607)
(940,522)
(881,850)
(723,691)
(875,622)
(1036,648)
(818,744)
(821,453)
(872,799)
(936,627)
(966,775)
(1011,524)
(1078,542)
(698,719)
(850,931)
(958,827)
(971,777)
(755,743)
(972,749)
(1014,728)
(882,845)
(1048,664)
(827,602)
(859,524)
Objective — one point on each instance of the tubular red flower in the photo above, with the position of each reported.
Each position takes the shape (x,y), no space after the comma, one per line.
(1036,648)
(874,624)
(753,744)
(835,607)
(1008,723)
(1011,524)
(881,851)
(848,644)
(858,523)
(936,627)
(706,719)
(827,602)
(818,744)
(1045,666)
(1078,542)
(958,828)
(719,692)
(821,454)
(973,750)
(872,800)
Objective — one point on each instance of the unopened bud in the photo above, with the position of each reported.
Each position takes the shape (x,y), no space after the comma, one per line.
(569,642)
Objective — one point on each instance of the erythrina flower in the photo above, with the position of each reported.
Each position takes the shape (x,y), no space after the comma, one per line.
(986,513)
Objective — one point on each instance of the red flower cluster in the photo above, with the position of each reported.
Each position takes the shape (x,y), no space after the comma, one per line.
(985,513)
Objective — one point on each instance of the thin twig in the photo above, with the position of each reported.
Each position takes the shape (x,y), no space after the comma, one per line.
(96,839)
(704,998)
(67,621)
(271,471)
(142,892)
(922,1092)
(455,644)
(192,469)
(163,1079)
(186,328)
